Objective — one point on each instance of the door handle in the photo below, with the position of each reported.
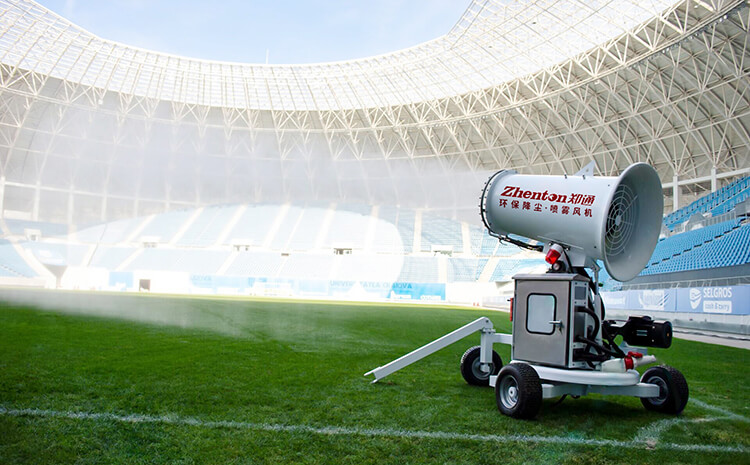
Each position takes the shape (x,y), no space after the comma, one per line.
(557,324)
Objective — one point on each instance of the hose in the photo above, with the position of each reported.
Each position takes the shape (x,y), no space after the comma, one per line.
(593,315)
(559,401)
(598,346)
(606,336)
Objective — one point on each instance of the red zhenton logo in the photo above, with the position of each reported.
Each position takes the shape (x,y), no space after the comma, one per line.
(575,199)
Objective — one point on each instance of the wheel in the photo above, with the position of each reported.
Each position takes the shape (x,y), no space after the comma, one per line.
(673,390)
(471,371)
(518,391)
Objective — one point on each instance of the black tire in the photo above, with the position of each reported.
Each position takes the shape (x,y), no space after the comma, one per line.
(470,367)
(518,391)
(673,390)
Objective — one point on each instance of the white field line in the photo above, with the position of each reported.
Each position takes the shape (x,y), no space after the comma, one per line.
(347,431)
(727,413)
(650,434)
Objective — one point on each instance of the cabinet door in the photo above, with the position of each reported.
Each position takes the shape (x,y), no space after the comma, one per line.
(540,322)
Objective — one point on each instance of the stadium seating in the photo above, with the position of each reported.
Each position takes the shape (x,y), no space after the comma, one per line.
(697,248)
(108,233)
(306,230)
(254,224)
(381,267)
(731,202)
(17,227)
(13,265)
(207,226)
(111,258)
(506,269)
(185,260)
(405,224)
(716,248)
(383,245)
(441,231)
(476,238)
(384,239)
(716,203)
(307,266)
(465,269)
(166,225)
(360,208)
(286,229)
(309,233)
(256,264)
(347,228)
(71,254)
(419,270)
(482,244)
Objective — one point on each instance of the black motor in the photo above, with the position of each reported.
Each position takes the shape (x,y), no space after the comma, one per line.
(642,331)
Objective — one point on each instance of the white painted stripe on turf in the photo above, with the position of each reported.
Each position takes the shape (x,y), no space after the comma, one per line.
(713,408)
(650,434)
(345,431)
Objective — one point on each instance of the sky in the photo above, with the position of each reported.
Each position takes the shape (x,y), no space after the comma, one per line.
(249,31)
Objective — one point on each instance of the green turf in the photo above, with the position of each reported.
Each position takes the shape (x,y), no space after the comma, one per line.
(182,361)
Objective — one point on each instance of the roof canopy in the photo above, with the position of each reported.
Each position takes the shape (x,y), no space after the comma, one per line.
(494,41)
(93,130)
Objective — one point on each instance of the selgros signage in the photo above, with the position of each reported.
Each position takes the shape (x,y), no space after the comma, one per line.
(727,300)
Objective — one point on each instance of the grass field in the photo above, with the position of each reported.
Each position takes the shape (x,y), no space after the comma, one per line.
(101,378)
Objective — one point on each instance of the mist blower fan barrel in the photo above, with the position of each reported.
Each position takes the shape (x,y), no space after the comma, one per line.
(613,219)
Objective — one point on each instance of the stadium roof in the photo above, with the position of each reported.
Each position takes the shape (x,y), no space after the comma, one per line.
(98,129)
(493,42)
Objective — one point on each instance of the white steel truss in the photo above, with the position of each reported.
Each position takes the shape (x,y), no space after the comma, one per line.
(93,130)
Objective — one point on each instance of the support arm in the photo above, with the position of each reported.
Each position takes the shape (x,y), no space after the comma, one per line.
(481,324)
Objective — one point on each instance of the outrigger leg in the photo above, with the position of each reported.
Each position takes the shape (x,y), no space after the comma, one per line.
(488,337)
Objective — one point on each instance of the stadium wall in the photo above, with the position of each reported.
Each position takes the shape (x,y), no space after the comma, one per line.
(79,278)
(722,308)
(186,283)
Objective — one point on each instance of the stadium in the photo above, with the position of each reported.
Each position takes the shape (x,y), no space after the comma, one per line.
(200,259)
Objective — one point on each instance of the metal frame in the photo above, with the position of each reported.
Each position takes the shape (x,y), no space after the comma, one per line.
(558,381)
(555,381)
(482,325)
